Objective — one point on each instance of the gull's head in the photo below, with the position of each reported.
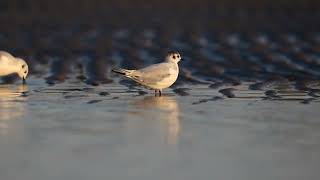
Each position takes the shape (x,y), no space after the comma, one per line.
(173,57)
(23,69)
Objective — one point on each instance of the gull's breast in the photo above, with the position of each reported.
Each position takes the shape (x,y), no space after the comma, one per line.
(168,80)
(6,69)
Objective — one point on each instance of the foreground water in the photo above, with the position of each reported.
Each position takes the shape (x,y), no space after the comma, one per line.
(75,131)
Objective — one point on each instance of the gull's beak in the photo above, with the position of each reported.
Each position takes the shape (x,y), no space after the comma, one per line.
(23,80)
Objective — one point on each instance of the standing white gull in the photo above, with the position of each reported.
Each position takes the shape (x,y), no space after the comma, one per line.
(156,76)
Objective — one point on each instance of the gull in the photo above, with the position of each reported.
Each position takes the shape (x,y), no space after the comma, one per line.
(10,65)
(156,76)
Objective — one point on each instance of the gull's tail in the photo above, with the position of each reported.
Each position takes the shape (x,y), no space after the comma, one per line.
(131,74)
(124,72)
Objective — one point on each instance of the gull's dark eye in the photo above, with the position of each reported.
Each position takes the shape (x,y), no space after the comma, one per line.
(178,56)
(23,66)
(174,57)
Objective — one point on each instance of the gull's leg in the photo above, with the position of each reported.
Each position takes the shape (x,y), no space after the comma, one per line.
(160,92)
(155,92)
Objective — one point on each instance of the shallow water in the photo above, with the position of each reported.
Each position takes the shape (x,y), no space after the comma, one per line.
(75,131)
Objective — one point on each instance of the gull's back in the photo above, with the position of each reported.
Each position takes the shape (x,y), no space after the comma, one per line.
(5,57)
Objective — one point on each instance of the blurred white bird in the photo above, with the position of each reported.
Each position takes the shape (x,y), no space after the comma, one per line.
(156,76)
(10,65)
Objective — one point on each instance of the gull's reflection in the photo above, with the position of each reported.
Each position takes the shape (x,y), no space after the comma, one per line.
(164,109)
(11,104)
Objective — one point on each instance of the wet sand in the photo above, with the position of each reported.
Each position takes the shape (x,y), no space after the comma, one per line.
(76,131)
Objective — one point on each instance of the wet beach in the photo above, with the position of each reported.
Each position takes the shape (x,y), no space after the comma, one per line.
(245,106)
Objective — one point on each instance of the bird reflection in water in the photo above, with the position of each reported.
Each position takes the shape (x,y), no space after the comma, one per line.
(11,105)
(165,109)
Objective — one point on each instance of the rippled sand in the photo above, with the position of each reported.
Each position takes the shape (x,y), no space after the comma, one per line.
(75,131)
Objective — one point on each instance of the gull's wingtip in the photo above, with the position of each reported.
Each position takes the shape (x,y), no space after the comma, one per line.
(119,71)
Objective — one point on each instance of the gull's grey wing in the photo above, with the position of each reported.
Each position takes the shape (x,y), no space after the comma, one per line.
(153,74)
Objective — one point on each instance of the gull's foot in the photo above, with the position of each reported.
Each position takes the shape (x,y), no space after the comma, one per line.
(157,92)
